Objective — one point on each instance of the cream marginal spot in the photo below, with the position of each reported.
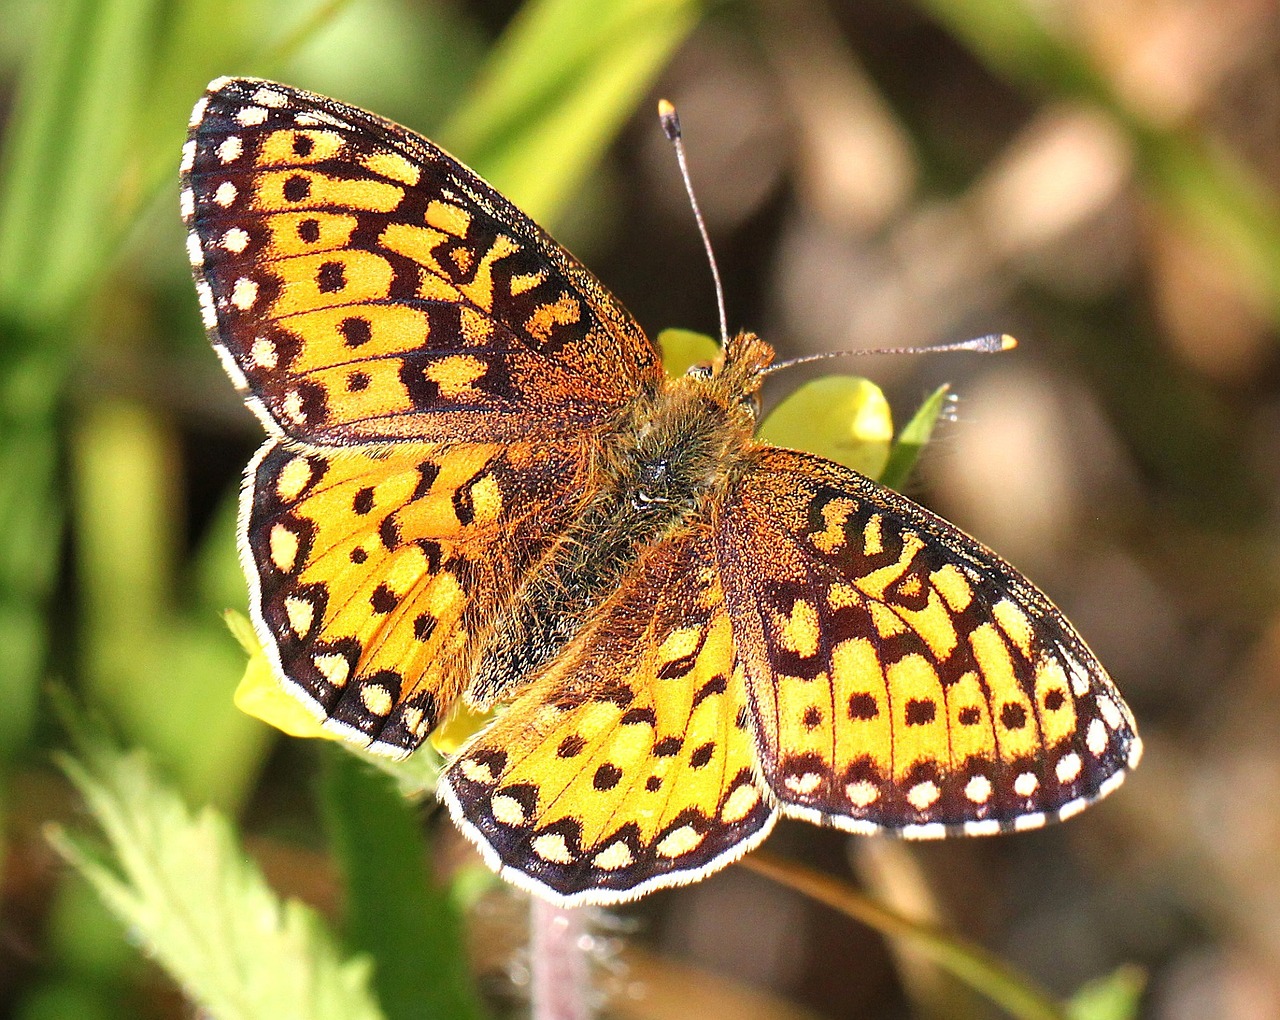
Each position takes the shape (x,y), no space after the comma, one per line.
(978,789)
(923,795)
(507,809)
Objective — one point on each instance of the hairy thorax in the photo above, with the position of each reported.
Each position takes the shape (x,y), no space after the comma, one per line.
(660,470)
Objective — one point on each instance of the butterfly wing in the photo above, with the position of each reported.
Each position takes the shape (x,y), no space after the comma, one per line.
(363,285)
(628,766)
(901,675)
(373,575)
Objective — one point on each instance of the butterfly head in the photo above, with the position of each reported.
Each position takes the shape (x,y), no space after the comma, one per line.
(739,370)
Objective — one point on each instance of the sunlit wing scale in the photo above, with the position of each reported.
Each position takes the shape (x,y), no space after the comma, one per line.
(628,766)
(372,574)
(901,675)
(363,285)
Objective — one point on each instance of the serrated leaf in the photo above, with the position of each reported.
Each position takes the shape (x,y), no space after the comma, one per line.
(841,417)
(912,439)
(187,893)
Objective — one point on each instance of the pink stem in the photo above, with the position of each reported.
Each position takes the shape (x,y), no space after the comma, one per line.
(559,962)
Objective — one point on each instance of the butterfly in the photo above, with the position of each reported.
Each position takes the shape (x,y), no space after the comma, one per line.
(479,486)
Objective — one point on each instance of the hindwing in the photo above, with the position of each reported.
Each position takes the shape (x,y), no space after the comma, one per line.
(374,575)
(628,766)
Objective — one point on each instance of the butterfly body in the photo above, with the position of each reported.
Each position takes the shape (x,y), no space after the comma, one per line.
(478,486)
(663,467)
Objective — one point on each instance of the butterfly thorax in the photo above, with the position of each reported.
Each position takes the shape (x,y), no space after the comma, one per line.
(663,466)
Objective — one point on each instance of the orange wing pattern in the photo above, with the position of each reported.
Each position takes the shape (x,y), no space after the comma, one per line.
(629,766)
(365,286)
(471,441)
(373,576)
(901,675)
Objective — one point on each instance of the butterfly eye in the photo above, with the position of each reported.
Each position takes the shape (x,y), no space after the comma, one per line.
(653,483)
(702,370)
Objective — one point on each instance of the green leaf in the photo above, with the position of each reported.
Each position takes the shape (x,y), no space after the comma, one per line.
(912,439)
(682,348)
(840,417)
(395,912)
(187,893)
(1114,997)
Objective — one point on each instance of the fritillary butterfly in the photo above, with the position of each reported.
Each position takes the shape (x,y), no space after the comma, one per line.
(479,486)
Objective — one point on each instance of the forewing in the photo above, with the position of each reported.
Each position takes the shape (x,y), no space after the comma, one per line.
(901,675)
(364,285)
(373,575)
(628,766)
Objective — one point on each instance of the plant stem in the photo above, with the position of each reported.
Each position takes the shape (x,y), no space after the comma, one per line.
(978,968)
(559,964)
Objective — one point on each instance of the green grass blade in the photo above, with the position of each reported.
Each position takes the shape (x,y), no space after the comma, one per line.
(395,912)
(91,185)
(556,89)
(31,516)
(62,189)
(1117,996)
(31,147)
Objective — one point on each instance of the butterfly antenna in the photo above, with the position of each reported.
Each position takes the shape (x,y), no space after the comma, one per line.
(992,343)
(671,128)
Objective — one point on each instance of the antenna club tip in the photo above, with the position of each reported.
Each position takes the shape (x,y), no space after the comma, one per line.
(669,118)
(1007,342)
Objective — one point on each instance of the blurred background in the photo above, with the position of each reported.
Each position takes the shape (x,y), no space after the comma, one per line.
(1097,177)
